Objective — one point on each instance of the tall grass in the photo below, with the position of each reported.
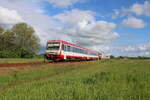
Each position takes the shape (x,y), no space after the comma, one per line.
(98,80)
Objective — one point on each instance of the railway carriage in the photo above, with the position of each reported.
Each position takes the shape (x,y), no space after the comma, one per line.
(58,50)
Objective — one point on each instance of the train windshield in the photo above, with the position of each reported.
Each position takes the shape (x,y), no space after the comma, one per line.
(53,46)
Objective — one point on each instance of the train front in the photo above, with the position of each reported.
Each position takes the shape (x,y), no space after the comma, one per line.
(53,51)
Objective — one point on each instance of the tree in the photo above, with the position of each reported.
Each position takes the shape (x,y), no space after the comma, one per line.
(111,56)
(26,39)
(7,46)
(7,39)
(19,41)
(1,30)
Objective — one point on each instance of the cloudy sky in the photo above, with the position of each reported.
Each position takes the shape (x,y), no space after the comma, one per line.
(117,27)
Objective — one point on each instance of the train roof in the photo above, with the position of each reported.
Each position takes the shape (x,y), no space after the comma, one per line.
(72,45)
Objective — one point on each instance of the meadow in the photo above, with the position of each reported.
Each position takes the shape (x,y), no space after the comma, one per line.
(121,79)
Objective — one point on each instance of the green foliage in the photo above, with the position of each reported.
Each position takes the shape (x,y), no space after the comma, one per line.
(111,56)
(18,42)
(39,56)
(26,37)
(1,29)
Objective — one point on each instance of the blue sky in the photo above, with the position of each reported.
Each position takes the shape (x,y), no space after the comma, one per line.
(116,27)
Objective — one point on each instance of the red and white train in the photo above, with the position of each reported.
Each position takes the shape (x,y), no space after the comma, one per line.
(59,50)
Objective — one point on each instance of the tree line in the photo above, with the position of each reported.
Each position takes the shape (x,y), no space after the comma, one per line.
(18,42)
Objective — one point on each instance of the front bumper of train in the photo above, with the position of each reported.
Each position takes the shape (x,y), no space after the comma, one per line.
(53,57)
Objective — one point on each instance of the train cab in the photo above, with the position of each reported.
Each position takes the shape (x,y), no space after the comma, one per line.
(53,49)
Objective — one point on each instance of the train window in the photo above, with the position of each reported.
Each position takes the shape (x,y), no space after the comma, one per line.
(72,49)
(82,51)
(92,53)
(65,48)
(85,52)
(79,50)
(68,48)
(76,50)
(53,46)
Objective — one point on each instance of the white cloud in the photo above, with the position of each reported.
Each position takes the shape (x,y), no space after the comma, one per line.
(133,50)
(75,16)
(55,3)
(64,3)
(133,22)
(138,48)
(147,53)
(82,27)
(9,17)
(141,9)
(40,11)
(137,9)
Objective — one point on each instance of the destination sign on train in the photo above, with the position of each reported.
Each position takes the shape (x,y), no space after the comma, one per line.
(53,45)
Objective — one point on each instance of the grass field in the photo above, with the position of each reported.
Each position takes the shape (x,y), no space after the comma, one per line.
(95,80)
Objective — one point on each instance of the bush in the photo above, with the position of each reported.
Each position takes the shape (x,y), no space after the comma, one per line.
(16,53)
(26,54)
(39,55)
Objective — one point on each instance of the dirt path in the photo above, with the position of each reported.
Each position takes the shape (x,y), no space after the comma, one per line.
(23,64)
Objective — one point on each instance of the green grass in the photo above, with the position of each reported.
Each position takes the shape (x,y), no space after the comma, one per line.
(18,60)
(97,80)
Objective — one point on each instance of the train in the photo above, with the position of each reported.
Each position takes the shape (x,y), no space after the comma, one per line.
(59,50)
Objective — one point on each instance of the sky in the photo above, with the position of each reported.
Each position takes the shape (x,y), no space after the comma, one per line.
(113,27)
